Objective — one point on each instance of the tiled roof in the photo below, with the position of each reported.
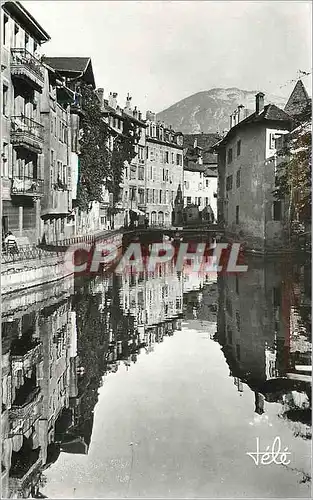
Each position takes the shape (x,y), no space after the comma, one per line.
(299,100)
(270,113)
(192,166)
(205,142)
(76,64)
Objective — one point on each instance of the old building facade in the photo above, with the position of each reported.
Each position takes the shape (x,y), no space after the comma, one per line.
(200,172)
(164,170)
(22,148)
(246,177)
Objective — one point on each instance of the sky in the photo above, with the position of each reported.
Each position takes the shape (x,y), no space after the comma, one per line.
(163,51)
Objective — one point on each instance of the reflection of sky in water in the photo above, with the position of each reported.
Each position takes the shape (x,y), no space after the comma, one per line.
(176,424)
(177,403)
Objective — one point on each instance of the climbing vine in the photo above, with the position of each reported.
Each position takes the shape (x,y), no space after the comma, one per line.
(99,167)
(124,151)
(294,176)
(94,160)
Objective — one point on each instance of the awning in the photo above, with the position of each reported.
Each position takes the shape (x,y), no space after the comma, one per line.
(138,212)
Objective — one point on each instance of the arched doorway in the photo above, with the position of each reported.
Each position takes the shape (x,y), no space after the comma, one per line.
(161,218)
(153,217)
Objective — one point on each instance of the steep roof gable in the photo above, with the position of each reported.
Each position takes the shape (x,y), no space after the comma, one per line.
(74,66)
(298,101)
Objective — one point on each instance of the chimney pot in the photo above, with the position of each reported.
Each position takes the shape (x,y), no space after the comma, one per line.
(259,102)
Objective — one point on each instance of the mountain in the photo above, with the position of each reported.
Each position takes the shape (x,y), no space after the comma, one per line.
(209,111)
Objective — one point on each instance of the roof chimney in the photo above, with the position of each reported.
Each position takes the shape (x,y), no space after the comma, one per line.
(113,100)
(240,107)
(259,103)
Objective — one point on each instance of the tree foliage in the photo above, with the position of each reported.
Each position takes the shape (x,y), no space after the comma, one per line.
(124,151)
(100,167)
(94,166)
(294,174)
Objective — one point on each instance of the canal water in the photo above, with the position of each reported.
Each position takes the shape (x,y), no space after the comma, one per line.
(160,385)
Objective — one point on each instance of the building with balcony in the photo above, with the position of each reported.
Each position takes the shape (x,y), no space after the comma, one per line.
(56,212)
(22,169)
(164,170)
(39,377)
(66,74)
(131,201)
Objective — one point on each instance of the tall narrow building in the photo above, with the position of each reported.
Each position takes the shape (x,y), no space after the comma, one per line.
(22,148)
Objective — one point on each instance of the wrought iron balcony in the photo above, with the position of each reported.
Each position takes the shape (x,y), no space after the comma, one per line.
(27,186)
(26,409)
(27,133)
(28,68)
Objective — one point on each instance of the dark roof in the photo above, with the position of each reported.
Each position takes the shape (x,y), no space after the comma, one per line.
(299,100)
(18,11)
(191,166)
(211,172)
(77,64)
(205,142)
(270,113)
(74,67)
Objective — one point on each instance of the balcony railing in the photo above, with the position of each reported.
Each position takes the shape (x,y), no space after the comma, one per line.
(24,65)
(27,132)
(27,186)
(26,409)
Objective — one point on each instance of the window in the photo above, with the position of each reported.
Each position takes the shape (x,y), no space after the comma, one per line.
(160,199)
(272,141)
(141,153)
(16,30)
(186,184)
(230,155)
(5,27)
(141,173)
(147,195)
(188,200)
(5,100)
(237,214)
(238,351)
(206,182)
(55,126)
(166,157)
(276,296)
(229,183)
(172,157)
(26,41)
(277,210)
(153,195)
(238,179)
(179,159)
(206,201)
(141,195)
(238,148)
(5,162)
(238,320)
(133,172)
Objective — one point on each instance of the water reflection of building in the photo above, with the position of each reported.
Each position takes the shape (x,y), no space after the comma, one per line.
(260,314)
(37,347)
(154,300)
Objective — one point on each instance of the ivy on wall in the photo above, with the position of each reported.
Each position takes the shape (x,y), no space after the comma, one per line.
(100,167)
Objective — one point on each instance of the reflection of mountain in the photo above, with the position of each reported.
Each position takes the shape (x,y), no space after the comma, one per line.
(259,329)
